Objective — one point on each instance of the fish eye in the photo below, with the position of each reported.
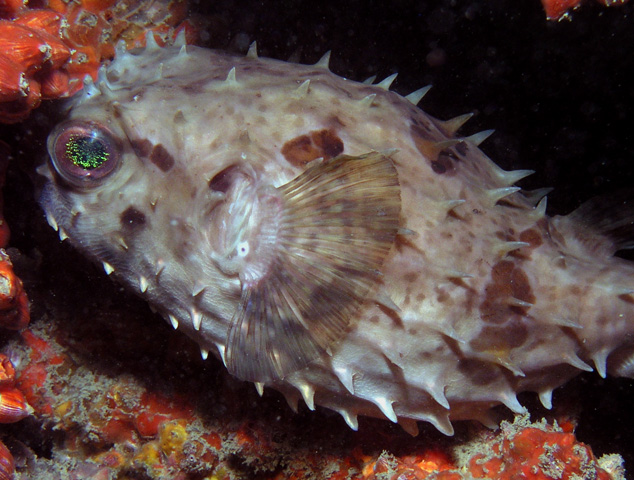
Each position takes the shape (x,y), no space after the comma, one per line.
(84,152)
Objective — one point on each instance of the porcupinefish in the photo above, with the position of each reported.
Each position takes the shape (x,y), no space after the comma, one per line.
(330,240)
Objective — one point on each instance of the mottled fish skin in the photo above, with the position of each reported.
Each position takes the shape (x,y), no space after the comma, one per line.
(480,296)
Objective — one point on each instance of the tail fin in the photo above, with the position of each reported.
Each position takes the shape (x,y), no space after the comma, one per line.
(603,224)
(610,215)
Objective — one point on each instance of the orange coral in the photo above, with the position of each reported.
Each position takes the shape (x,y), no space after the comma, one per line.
(13,407)
(426,465)
(558,9)
(14,304)
(46,53)
(7,465)
(14,309)
(535,452)
(28,54)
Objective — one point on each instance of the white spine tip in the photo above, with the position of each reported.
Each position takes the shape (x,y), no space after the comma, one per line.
(107,268)
(173,321)
(516,302)
(386,83)
(386,408)
(308,394)
(513,176)
(204,353)
(143,284)
(502,249)
(197,319)
(231,77)
(150,41)
(478,138)
(350,419)
(369,80)
(575,361)
(600,360)
(539,211)
(546,397)
(345,377)
(367,100)
(222,351)
(181,39)
(302,90)
(496,194)
(253,50)
(259,387)
(52,222)
(417,95)
(324,62)
(438,394)
(513,404)
(197,290)
(452,125)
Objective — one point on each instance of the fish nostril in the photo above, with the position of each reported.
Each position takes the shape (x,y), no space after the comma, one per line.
(222,181)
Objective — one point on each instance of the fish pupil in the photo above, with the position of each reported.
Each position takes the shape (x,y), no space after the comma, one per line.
(86,152)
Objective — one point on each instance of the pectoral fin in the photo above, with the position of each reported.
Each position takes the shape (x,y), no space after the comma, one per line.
(339,220)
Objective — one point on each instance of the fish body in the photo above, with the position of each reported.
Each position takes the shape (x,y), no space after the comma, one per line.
(329,239)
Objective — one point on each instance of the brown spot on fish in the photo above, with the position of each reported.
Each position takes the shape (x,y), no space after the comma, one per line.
(132,219)
(507,281)
(179,117)
(328,142)
(479,372)
(499,338)
(299,151)
(532,237)
(222,181)
(440,167)
(303,149)
(441,295)
(411,277)
(162,158)
(441,160)
(142,147)
(627,297)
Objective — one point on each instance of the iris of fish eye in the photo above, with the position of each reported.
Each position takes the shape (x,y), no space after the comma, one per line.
(86,152)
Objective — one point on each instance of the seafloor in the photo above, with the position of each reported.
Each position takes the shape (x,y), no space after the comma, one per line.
(561,98)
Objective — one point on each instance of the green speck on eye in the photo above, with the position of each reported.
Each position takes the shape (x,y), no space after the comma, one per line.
(86,153)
